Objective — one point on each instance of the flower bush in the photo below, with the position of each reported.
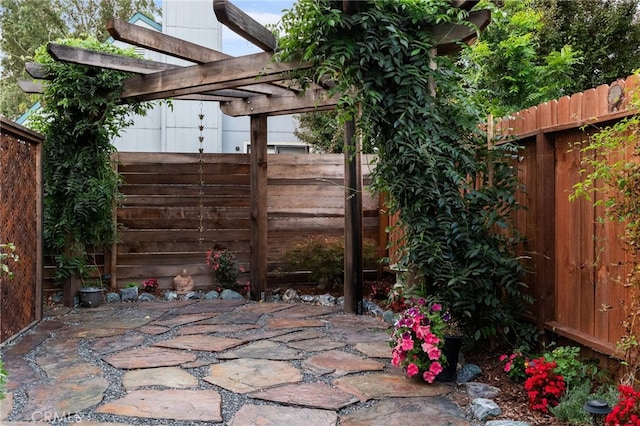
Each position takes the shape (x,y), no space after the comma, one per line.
(515,365)
(417,339)
(150,285)
(543,385)
(627,411)
(224,267)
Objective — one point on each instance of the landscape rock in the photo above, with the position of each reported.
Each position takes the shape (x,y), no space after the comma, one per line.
(58,297)
(483,408)
(230,295)
(340,301)
(212,295)
(389,316)
(506,423)
(307,298)
(147,297)
(481,390)
(370,306)
(468,372)
(170,295)
(112,298)
(290,296)
(129,294)
(326,300)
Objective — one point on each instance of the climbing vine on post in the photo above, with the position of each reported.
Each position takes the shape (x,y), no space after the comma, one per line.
(433,159)
(80,116)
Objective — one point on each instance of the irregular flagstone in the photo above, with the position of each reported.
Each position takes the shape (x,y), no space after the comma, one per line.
(352,335)
(306,311)
(264,308)
(208,306)
(317,345)
(92,332)
(293,323)
(153,330)
(340,363)
(197,342)
(215,328)
(378,386)
(299,335)
(6,405)
(174,404)
(263,350)
(358,321)
(268,415)
(407,412)
(63,398)
(247,375)
(177,320)
(199,363)
(170,377)
(106,345)
(20,373)
(149,357)
(100,424)
(26,344)
(316,395)
(378,349)
(266,334)
(66,373)
(236,317)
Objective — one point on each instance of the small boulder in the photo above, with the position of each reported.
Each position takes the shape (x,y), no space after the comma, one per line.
(146,297)
(228,294)
(129,294)
(468,372)
(326,300)
(481,390)
(170,295)
(483,408)
(212,295)
(307,298)
(290,296)
(112,297)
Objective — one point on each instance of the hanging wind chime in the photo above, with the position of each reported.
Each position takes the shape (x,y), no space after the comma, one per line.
(200,177)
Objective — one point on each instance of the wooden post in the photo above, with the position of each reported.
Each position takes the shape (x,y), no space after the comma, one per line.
(352,221)
(258,160)
(545,278)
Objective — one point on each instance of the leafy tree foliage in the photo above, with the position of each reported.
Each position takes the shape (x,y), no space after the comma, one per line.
(605,33)
(28,24)
(81,114)
(452,192)
(321,130)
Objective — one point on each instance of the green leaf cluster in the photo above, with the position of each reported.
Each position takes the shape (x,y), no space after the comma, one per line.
(452,192)
(80,116)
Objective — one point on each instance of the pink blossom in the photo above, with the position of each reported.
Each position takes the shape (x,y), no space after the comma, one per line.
(407,344)
(412,370)
(503,357)
(436,307)
(423,331)
(428,376)
(432,351)
(431,339)
(435,368)
(507,367)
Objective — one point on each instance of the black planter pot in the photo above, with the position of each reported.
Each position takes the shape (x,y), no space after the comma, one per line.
(91,297)
(451,350)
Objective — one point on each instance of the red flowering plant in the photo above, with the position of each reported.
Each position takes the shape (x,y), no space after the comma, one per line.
(543,385)
(627,410)
(224,267)
(417,339)
(150,285)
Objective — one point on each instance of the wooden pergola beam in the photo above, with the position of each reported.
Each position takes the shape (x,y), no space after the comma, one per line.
(244,25)
(311,100)
(37,71)
(162,43)
(32,87)
(223,74)
(450,36)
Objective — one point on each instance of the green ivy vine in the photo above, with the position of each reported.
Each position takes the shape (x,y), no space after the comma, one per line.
(80,116)
(455,196)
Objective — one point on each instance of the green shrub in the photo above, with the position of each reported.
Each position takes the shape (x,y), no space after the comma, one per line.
(323,257)
(570,407)
(569,364)
(3,379)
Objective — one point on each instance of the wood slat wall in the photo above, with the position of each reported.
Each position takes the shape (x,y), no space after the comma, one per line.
(165,205)
(576,262)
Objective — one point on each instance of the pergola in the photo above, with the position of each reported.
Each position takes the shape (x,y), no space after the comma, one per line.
(258,87)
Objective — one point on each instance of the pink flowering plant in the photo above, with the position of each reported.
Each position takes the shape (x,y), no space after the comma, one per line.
(224,267)
(515,365)
(417,339)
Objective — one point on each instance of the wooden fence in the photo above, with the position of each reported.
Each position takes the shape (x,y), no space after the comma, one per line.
(177,206)
(576,261)
(20,224)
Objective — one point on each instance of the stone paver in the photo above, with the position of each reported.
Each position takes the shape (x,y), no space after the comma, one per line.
(6,405)
(379,386)
(234,318)
(208,306)
(264,308)
(407,412)
(380,349)
(275,323)
(305,311)
(314,395)
(63,398)
(316,345)
(153,330)
(107,345)
(215,328)
(352,335)
(197,342)
(247,375)
(263,349)
(299,335)
(149,357)
(339,363)
(170,377)
(20,373)
(267,415)
(174,404)
(358,321)
(177,320)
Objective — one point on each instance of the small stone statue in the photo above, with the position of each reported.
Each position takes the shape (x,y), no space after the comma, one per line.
(183,283)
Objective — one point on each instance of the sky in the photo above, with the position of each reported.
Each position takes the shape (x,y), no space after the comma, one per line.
(263,11)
